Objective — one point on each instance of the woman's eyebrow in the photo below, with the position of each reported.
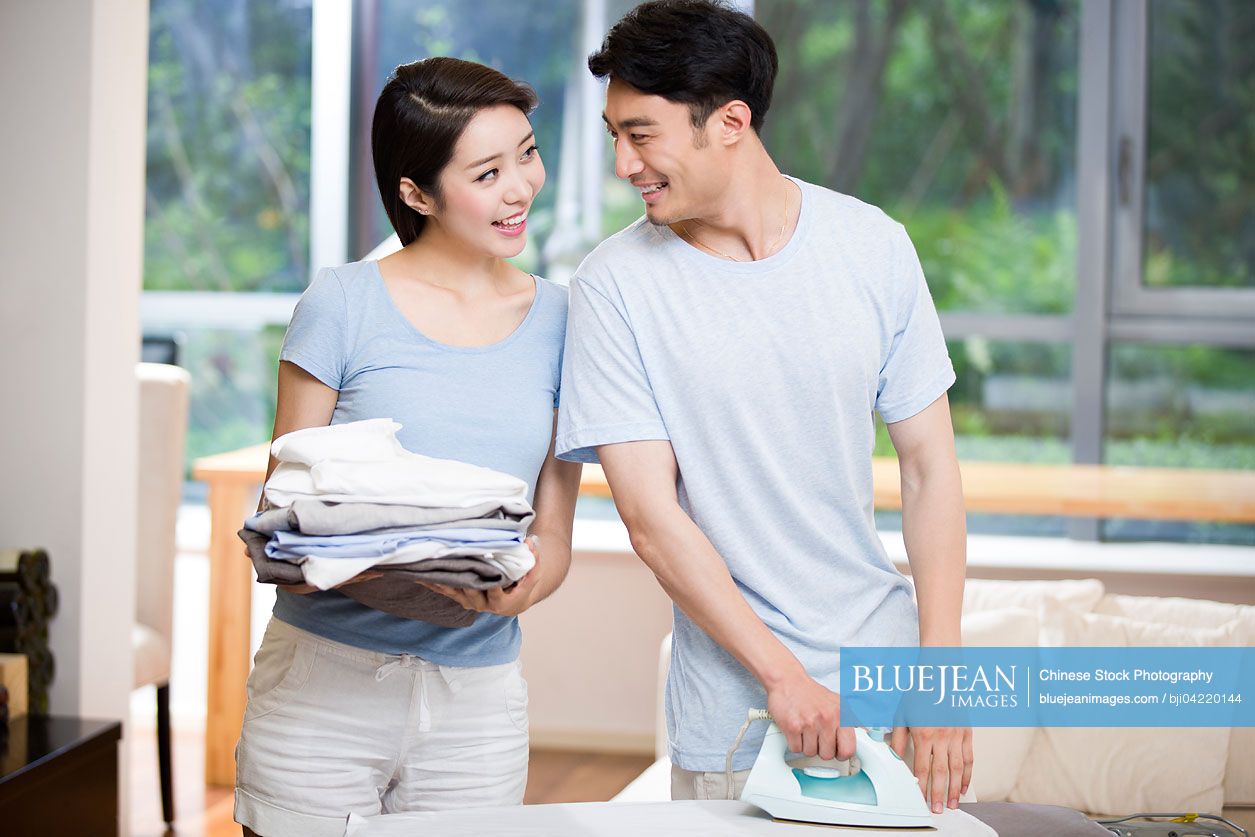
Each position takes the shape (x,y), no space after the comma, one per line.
(489,159)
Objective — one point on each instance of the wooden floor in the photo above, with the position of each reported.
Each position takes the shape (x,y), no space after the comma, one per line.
(553,776)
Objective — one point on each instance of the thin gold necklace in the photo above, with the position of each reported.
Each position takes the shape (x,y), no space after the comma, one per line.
(770,248)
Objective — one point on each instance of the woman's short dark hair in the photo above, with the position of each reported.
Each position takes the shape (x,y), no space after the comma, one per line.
(698,52)
(419,116)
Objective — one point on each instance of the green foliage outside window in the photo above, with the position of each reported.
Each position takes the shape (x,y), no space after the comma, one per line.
(228,146)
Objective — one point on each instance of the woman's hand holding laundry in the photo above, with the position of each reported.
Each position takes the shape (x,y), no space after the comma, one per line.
(943,758)
(809,715)
(508,601)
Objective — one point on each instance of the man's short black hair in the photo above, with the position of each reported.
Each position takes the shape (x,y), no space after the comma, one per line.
(701,53)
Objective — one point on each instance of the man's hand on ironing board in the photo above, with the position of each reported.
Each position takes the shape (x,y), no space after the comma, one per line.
(943,761)
(809,715)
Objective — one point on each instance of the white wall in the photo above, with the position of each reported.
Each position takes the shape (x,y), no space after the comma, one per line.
(73,92)
(590,656)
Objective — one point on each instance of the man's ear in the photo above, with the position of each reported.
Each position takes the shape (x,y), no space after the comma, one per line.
(415,198)
(734,121)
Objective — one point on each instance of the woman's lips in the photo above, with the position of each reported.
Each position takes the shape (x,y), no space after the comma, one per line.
(511,230)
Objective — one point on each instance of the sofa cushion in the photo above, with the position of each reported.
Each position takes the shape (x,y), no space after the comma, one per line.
(1077,594)
(1122,770)
(999,752)
(1239,780)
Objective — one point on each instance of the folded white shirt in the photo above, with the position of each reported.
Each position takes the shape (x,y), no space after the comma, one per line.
(513,563)
(371,440)
(410,481)
(363,462)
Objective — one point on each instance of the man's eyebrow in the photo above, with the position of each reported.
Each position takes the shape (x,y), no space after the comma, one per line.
(479,163)
(631,122)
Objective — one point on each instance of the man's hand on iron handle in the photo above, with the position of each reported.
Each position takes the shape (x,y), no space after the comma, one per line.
(809,715)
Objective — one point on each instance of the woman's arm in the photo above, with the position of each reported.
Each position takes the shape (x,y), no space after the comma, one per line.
(303,401)
(557,489)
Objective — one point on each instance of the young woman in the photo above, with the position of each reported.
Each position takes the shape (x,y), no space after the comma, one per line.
(351,709)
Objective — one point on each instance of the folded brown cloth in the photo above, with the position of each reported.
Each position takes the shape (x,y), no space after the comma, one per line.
(395,593)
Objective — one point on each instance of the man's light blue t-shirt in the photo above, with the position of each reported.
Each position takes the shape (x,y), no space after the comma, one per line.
(489,405)
(764,376)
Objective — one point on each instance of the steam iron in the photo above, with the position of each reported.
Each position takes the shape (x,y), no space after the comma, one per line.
(883,793)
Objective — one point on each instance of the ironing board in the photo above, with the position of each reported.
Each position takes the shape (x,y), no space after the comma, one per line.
(631,819)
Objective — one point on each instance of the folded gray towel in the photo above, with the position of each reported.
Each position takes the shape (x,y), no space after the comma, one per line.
(316,517)
(269,571)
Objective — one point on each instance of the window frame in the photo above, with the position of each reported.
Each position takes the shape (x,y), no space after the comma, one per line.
(1192,314)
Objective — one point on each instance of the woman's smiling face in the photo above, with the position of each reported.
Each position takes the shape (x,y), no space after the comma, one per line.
(488,186)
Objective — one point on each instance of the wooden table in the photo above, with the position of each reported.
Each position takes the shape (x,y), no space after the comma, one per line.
(994,487)
(59,775)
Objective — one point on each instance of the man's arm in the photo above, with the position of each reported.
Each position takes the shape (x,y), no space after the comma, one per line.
(642,477)
(935,531)
(933,523)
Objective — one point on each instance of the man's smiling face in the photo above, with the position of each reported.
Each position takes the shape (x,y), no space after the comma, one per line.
(679,170)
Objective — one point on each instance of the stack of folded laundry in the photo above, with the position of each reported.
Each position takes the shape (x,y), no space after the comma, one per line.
(348,498)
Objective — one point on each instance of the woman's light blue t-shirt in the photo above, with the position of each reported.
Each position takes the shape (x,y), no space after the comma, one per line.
(487,405)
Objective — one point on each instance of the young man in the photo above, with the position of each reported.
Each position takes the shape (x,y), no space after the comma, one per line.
(724,358)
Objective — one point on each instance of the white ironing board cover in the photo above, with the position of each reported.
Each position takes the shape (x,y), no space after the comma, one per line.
(627,819)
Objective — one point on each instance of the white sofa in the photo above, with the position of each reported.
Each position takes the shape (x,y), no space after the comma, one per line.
(1098,771)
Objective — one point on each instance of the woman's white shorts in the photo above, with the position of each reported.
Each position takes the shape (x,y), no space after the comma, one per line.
(331,729)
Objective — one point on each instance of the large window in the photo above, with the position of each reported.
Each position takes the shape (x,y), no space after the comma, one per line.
(1177,406)
(228,194)
(1094,277)
(1077,178)
(1184,147)
(1178,370)
(1200,146)
(959,120)
(228,146)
